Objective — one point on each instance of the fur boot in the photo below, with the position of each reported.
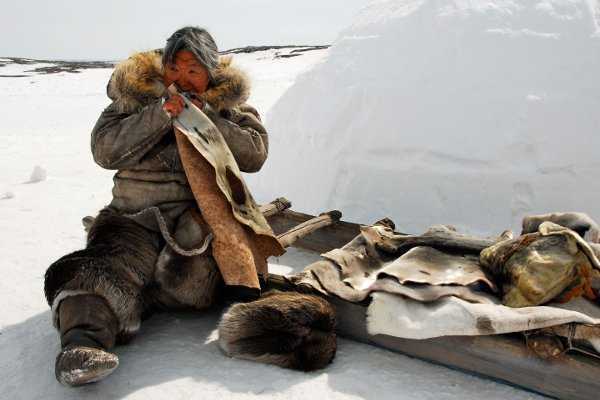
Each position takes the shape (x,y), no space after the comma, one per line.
(117,264)
(88,329)
(288,329)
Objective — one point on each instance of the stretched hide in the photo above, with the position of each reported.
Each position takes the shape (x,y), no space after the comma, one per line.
(428,265)
(324,276)
(423,273)
(243,240)
(401,317)
(536,267)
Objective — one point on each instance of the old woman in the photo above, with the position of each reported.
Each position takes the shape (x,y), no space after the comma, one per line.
(146,250)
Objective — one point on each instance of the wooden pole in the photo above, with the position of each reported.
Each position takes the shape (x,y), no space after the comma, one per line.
(298,232)
(275,207)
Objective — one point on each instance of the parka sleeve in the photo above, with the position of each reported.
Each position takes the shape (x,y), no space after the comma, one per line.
(122,140)
(245,135)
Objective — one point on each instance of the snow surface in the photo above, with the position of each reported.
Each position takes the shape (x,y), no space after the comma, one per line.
(469,113)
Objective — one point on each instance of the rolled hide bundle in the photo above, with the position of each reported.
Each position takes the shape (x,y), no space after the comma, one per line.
(537,267)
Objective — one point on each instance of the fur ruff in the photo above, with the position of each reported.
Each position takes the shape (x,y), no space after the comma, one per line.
(288,329)
(139,81)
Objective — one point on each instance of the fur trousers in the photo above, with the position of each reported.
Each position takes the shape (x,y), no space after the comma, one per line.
(132,269)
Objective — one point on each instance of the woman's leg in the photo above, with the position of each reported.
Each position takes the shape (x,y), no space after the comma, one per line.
(98,294)
(88,329)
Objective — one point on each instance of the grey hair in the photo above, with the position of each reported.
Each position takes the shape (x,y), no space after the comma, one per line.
(196,40)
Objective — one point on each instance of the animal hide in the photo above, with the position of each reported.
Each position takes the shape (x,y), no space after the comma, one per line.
(424,273)
(536,267)
(402,317)
(243,240)
(438,236)
(183,282)
(581,223)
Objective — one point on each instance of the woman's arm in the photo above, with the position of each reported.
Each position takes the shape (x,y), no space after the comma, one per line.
(245,135)
(121,140)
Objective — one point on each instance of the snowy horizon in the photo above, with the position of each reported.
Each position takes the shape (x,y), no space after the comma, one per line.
(112,30)
(90,62)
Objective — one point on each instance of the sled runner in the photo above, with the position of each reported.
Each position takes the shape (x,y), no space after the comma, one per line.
(508,357)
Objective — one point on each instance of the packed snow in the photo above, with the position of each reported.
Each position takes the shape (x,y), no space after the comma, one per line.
(465,113)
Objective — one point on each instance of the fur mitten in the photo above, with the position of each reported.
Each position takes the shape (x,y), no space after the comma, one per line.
(288,329)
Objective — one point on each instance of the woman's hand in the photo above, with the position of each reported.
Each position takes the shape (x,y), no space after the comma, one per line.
(173,105)
(197,101)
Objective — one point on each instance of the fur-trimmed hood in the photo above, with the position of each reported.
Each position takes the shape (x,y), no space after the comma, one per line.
(138,81)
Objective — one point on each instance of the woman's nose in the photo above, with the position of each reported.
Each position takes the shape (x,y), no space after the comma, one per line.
(181,79)
(183,82)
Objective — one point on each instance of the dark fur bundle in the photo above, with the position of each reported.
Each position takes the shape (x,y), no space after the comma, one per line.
(288,329)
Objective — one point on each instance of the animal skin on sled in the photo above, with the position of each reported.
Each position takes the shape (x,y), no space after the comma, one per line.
(438,236)
(424,273)
(536,267)
(451,316)
(581,223)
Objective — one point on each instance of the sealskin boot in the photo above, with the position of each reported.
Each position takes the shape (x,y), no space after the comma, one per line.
(88,329)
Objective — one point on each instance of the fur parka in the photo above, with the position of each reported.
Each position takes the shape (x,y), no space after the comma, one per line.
(135,136)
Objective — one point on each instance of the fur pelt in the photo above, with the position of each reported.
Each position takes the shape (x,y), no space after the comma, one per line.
(288,329)
(185,282)
(139,81)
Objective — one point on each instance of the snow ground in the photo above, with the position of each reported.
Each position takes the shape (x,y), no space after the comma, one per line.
(47,121)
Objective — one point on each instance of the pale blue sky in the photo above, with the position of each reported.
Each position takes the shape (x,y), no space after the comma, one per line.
(111,29)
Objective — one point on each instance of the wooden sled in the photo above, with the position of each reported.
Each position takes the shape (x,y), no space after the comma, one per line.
(504,358)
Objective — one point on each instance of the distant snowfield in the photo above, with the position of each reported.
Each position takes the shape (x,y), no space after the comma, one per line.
(397,79)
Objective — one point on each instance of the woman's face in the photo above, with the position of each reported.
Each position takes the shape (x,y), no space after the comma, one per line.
(186,72)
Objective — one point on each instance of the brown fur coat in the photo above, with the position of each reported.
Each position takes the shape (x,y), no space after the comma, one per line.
(135,136)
